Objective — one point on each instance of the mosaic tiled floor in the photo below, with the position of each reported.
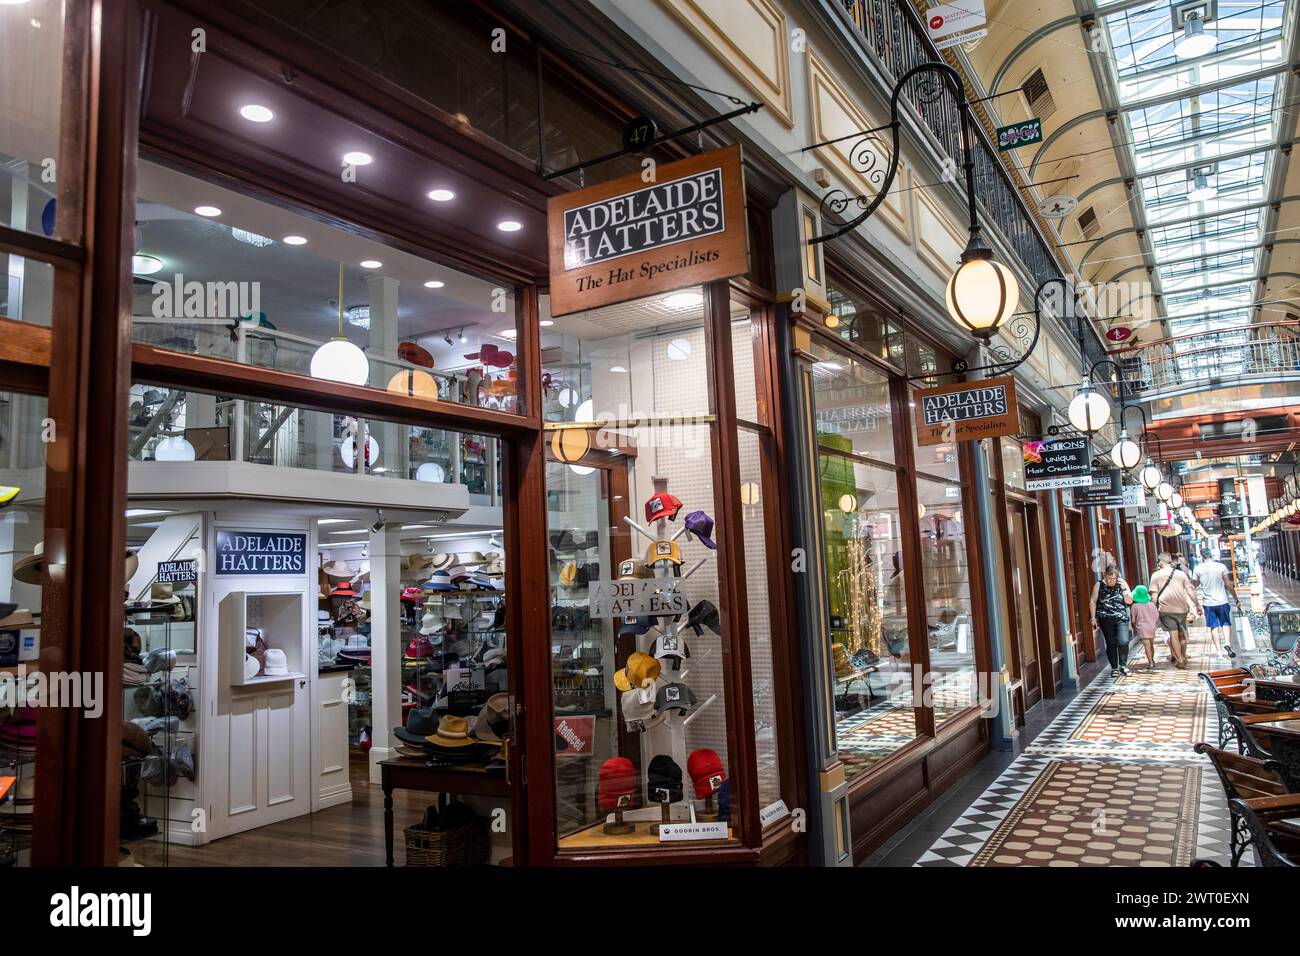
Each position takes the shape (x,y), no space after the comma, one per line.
(1167,718)
(1112,781)
(1092,814)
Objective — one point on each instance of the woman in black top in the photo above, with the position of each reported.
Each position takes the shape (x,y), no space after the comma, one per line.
(1111,599)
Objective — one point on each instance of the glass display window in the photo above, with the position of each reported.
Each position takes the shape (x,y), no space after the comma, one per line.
(223,275)
(641,636)
(946,585)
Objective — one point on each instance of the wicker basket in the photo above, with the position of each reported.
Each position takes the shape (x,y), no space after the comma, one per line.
(463,846)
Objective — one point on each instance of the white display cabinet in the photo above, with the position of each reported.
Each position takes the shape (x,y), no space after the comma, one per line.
(280,618)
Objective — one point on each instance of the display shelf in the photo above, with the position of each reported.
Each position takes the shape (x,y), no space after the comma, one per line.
(279,617)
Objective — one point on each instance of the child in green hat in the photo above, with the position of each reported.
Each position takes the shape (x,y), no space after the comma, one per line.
(1145,617)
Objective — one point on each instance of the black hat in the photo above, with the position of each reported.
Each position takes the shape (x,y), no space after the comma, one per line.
(676,697)
(703,615)
(420,723)
(665,780)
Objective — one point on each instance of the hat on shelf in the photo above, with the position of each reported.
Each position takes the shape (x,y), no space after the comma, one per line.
(493,721)
(132,565)
(415,354)
(616,784)
(640,669)
(414,565)
(569,575)
(664,780)
(252,667)
(496,567)
(701,525)
(632,569)
(440,580)
(429,623)
(444,562)
(636,710)
(676,697)
(471,559)
(18,620)
(277,664)
(420,722)
(412,595)
(343,589)
(633,624)
(663,551)
(160,592)
(452,733)
(703,615)
(706,772)
(419,647)
(662,505)
(672,648)
(28,570)
(338,569)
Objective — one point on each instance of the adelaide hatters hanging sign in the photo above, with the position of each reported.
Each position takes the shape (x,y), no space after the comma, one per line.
(629,238)
(966,411)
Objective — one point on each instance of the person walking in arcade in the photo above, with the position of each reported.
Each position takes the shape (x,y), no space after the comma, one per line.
(1111,599)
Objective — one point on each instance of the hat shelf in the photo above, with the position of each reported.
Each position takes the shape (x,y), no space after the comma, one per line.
(279,617)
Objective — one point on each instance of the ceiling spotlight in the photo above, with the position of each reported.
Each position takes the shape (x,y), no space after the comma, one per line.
(434,284)
(208,211)
(294,240)
(1195,41)
(380,523)
(509,225)
(371,264)
(357,159)
(441,195)
(256,113)
(546,323)
(142,265)
(463,338)
(447,337)
(1202,190)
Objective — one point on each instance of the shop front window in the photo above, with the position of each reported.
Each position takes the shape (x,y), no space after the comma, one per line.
(638,630)
(222,275)
(871,648)
(22,533)
(946,583)
(296,615)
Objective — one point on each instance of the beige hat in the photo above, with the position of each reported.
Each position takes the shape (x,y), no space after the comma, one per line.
(471,558)
(338,569)
(21,618)
(442,562)
(413,565)
(29,570)
(160,592)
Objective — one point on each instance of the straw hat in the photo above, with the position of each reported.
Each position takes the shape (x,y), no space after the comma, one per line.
(453,733)
(30,569)
(160,592)
(414,565)
(338,569)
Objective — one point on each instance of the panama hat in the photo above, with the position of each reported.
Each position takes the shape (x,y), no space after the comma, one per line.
(414,565)
(338,569)
(443,562)
(160,592)
(453,733)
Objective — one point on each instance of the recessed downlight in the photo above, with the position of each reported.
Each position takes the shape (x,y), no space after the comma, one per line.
(434,284)
(441,195)
(371,264)
(546,323)
(256,113)
(509,225)
(209,211)
(294,240)
(358,158)
(142,265)
(507,333)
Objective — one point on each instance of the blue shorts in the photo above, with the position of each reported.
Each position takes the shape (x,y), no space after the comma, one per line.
(1218,615)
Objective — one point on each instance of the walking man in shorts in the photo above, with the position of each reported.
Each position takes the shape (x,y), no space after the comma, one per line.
(1175,598)
(1215,582)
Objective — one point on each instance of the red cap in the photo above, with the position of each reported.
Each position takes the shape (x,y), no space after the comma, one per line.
(662,505)
(617,779)
(703,766)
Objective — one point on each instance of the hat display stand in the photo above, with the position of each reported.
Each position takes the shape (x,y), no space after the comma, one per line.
(578,653)
(665,733)
(466,664)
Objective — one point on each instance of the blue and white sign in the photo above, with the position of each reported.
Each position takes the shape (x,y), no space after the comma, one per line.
(260,553)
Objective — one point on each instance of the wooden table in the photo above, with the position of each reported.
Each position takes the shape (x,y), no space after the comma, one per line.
(415,773)
(1283,689)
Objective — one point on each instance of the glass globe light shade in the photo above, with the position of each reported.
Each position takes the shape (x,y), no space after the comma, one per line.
(848,503)
(1164,491)
(1089,410)
(1176,500)
(175,448)
(1126,453)
(338,360)
(1150,476)
(982,295)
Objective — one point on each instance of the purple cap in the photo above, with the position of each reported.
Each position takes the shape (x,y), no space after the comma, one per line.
(701,525)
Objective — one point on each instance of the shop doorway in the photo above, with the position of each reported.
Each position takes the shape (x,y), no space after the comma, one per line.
(1077,583)
(1026,600)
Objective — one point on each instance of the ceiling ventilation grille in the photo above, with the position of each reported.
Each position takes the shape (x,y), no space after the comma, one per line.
(1038,96)
(1088,222)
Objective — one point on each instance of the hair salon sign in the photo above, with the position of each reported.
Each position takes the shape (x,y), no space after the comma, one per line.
(682,224)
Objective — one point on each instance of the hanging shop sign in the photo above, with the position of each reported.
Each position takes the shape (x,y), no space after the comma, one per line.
(961,21)
(1058,206)
(966,411)
(1105,491)
(259,553)
(629,239)
(1120,333)
(1135,497)
(1020,134)
(178,572)
(1062,463)
(636,598)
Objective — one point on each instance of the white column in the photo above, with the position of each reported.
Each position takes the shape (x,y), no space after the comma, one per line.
(385,644)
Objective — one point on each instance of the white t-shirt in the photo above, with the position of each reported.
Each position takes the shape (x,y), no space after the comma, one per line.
(1211,576)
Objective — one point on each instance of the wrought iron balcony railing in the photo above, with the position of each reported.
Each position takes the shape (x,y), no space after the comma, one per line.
(1267,351)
